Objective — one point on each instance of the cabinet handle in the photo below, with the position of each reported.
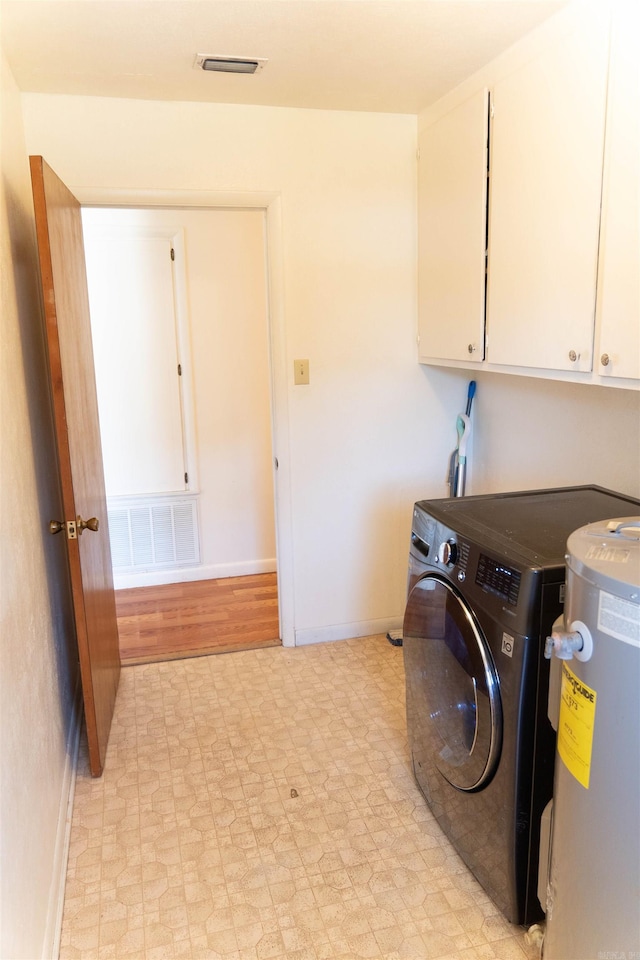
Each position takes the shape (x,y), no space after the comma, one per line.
(471,347)
(573,356)
(604,359)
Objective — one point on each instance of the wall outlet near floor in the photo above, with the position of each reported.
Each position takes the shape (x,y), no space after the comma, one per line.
(300,371)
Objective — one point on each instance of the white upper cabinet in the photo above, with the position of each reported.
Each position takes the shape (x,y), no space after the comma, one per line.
(547,138)
(563,207)
(452,202)
(618,315)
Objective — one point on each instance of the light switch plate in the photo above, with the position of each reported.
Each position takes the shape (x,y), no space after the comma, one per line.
(300,371)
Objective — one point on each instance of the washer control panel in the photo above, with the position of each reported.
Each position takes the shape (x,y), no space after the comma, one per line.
(452,552)
(448,553)
(498,579)
(495,581)
(437,544)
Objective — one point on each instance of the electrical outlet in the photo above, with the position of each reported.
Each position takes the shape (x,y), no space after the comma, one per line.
(300,371)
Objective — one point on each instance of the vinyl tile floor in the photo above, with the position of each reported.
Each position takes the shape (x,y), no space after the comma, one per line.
(260,805)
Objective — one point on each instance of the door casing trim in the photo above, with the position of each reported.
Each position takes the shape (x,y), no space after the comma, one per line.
(271,204)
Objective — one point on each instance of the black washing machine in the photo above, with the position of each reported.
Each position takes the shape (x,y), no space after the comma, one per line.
(486,582)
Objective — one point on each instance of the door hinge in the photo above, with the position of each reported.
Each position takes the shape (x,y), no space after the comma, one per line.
(186,478)
(173,254)
(179,369)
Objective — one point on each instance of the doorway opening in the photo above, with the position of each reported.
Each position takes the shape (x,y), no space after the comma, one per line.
(183,343)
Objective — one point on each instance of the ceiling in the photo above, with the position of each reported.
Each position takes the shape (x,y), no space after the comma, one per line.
(395,56)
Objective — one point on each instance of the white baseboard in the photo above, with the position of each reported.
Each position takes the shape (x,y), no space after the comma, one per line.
(212,571)
(346,631)
(53,929)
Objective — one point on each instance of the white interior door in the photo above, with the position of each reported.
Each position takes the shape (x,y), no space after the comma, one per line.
(131,296)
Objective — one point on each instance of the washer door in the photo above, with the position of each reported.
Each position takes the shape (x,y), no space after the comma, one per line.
(452,682)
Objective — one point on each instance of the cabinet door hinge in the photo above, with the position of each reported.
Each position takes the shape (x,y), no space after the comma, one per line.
(173,254)
(179,369)
(186,478)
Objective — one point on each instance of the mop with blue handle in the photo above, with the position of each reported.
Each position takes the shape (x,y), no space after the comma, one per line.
(458,460)
(457,474)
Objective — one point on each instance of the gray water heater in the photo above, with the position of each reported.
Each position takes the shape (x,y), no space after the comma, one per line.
(593,890)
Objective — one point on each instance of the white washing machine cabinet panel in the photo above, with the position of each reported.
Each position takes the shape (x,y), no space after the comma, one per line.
(593,901)
(486,583)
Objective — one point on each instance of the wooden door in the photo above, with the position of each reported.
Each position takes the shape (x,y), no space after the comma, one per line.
(68,333)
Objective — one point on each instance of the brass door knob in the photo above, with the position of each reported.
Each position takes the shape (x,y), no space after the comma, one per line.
(92,524)
(55,526)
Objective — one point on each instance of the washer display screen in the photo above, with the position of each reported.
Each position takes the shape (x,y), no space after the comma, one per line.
(498,579)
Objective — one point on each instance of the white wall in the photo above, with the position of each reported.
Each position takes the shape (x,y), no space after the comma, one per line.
(38,655)
(372,431)
(225,376)
(226,283)
(537,433)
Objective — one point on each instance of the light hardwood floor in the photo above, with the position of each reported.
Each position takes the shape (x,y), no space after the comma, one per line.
(194,619)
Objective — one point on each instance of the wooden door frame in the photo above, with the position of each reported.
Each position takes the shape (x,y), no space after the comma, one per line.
(271,204)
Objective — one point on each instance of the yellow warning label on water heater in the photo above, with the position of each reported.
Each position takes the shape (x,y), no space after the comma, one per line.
(575,727)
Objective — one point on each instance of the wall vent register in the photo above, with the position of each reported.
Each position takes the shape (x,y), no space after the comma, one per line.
(156,533)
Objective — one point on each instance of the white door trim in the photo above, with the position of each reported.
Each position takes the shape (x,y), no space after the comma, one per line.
(271,203)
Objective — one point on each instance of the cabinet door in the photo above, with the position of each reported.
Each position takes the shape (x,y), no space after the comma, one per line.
(452,192)
(619,273)
(547,139)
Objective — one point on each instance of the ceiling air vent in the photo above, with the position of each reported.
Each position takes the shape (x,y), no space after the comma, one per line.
(228,64)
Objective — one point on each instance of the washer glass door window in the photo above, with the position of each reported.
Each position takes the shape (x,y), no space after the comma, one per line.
(458,683)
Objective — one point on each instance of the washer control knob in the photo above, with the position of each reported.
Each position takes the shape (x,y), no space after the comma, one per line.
(448,553)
